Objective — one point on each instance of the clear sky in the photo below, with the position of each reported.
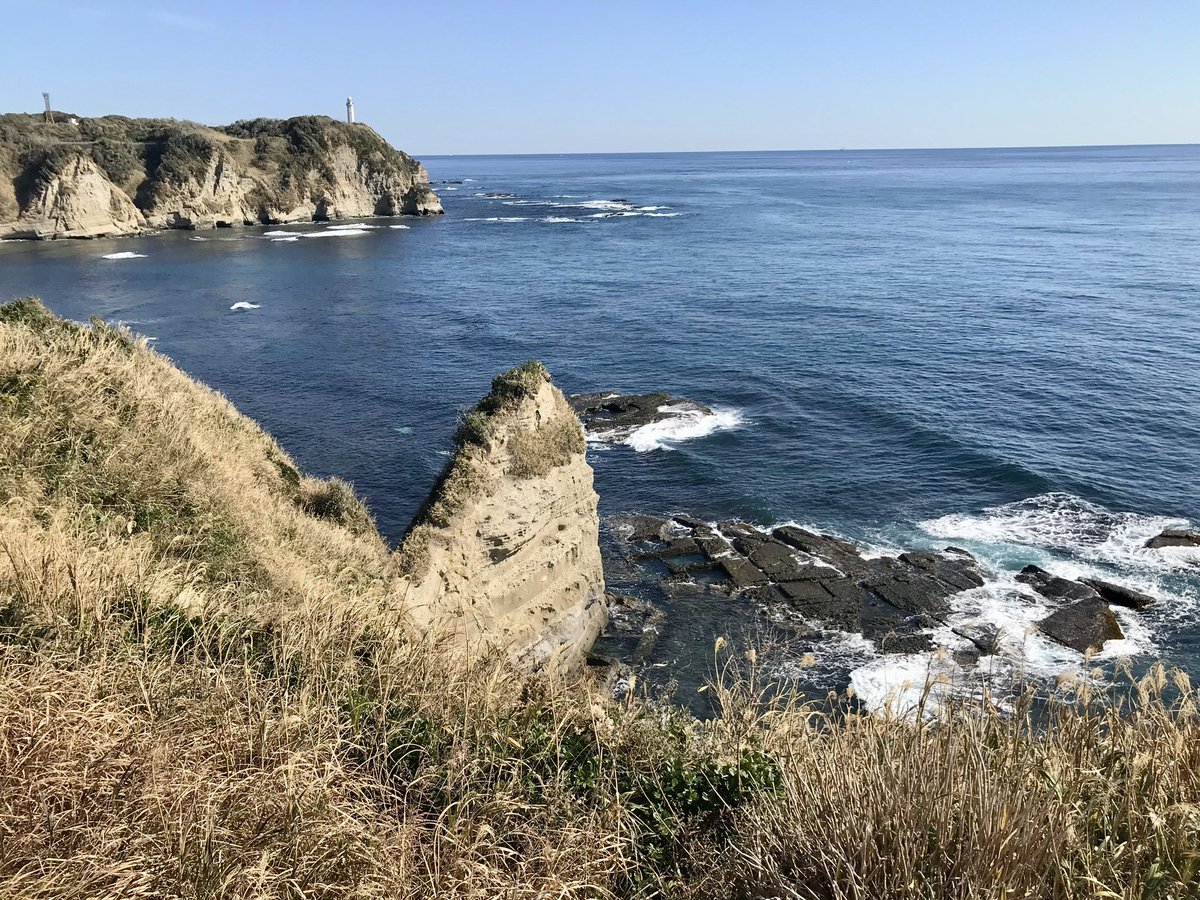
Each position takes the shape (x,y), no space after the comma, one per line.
(472,76)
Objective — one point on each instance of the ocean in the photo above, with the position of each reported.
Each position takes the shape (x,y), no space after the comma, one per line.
(995,349)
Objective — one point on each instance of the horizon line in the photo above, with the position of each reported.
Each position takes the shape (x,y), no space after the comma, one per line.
(811,150)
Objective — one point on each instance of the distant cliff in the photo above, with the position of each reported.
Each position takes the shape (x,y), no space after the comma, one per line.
(81,178)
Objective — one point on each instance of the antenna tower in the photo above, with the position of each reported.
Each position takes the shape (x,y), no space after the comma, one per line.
(49,115)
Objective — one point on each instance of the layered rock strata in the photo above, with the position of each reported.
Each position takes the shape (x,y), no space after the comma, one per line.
(506,553)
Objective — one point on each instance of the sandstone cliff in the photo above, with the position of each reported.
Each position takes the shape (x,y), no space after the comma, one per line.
(136,471)
(506,552)
(113,175)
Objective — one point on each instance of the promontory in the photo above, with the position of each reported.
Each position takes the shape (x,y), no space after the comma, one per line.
(77,177)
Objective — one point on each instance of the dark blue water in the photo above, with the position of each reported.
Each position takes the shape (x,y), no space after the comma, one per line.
(995,347)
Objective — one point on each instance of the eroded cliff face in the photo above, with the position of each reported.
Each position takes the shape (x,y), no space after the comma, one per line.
(77,201)
(507,553)
(108,176)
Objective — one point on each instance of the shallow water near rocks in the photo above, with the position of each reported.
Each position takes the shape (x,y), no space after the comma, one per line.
(996,349)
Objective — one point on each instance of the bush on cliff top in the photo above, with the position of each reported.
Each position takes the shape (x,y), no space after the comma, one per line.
(208,691)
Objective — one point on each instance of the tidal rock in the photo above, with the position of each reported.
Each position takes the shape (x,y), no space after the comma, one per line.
(984,635)
(835,551)
(614,417)
(640,528)
(1174,537)
(1119,595)
(742,572)
(779,561)
(836,602)
(1054,587)
(923,583)
(1083,626)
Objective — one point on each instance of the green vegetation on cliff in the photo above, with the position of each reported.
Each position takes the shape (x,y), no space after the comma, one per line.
(208,688)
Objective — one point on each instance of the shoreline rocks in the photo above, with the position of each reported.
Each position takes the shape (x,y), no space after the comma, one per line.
(613,417)
(1084,626)
(803,579)
(1174,537)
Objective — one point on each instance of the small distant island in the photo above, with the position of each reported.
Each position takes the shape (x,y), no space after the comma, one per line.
(66,176)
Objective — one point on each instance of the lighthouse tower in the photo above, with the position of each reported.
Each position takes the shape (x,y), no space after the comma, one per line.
(350,110)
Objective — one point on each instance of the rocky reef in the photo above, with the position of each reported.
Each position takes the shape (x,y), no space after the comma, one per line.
(94,177)
(807,582)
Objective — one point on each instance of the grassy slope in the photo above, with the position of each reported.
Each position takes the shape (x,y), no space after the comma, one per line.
(206,692)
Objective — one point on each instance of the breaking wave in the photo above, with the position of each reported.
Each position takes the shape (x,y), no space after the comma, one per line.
(124,254)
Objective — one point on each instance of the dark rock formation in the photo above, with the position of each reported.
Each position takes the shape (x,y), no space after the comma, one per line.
(617,416)
(1119,595)
(1174,537)
(793,573)
(1084,626)
(1054,587)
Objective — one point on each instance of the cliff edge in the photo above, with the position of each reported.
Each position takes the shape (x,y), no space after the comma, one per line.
(118,469)
(93,177)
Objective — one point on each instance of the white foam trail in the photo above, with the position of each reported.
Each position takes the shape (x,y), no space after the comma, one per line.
(124,254)
(685,424)
(500,219)
(1062,523)
(652,208)
(197,238)
(558,220)
(670,215)
(335,232)
(285,240)
(280,233)
(358,226)
(400,226)
(242,304)
(900,684)
(604,204)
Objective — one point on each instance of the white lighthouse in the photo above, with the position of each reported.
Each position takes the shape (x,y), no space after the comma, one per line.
(350,110)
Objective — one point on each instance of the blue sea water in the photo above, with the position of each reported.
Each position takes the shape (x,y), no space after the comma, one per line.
(998,349)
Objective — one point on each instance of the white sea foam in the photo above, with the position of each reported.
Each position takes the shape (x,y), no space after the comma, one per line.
(559,220)
(500,219)
(196,237)
(604,204)
(1061,523)
(406,227)
(280,233)
(903,684)
(657,215)
(242,304)
(686,422)
(335,231)
(652,208)
(124,254)
(285,240)
(357,226)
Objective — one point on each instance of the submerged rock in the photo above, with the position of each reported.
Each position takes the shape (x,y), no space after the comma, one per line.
(1085,626)
(1174,537)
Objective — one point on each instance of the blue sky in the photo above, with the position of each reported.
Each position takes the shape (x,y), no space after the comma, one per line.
(575,76)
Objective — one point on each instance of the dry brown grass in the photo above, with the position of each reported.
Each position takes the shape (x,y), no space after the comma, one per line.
(206,691)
